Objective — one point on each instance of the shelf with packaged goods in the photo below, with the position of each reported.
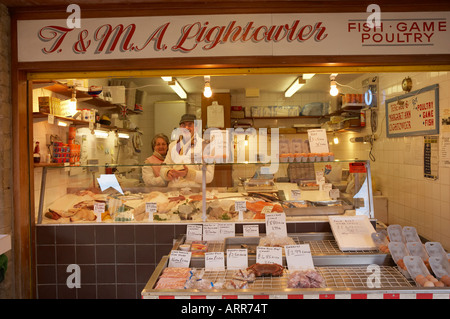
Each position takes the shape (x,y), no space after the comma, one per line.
(62,89)
(40,115)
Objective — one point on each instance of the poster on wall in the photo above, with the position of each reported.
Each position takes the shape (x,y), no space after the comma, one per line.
(431,157)
(414,113)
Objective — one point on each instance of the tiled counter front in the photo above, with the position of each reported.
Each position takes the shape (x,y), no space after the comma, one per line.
(115,260)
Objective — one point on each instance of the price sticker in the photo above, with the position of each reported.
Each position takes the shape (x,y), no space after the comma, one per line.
(99,209)
(180,258)
(150,208)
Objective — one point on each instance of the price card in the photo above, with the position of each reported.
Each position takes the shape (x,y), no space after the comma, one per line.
(267,209)
(194,232)
(269,255)
(250,230)
(320,178)
(318,142)
(334,193)
(240,206)
(237,258)
(51,119)
(299,257)
(99,209)
(352,232)
(226,230)
(180,258)
(150,208)
(295,194)
(327,187)
(211,232)
(276,223)
(214,260)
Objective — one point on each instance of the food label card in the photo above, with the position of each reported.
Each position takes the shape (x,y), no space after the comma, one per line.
(194,232)
(211,232)
(99,209)
(150,208)
(226,230)
(276,223)
(250,230)
(299,256)
(269,255)
(180,258)
(237,258)
(214,260)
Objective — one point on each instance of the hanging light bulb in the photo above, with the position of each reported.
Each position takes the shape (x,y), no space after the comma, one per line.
(335,140)
(333,87)
(207,92)
(73,103)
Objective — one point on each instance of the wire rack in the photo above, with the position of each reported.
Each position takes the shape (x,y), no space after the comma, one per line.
(335,277)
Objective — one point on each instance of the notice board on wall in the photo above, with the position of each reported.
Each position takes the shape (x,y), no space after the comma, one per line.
(414,113)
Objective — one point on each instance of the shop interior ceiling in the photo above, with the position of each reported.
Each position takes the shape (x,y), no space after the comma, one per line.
(273,83)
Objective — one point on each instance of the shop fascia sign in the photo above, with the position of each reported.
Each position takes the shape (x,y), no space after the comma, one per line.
(234,35)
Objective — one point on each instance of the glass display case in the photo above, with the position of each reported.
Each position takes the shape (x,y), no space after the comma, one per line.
(215,192)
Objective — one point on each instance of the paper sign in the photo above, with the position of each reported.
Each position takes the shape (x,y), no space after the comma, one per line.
(99,209)
(276,223)
(51,119)
(106,181)
(357,167)
(299,257)
(320,178)
(327,187)
(194,232)
(211,232)
(269,255)
(226,230)
(318,142)
(150,208)
(295,194)
(352,232)
(214,260)
(250,230)
(180,258)
(334,193)
(237,258)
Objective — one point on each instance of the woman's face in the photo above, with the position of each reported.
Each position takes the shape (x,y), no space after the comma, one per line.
(161,146)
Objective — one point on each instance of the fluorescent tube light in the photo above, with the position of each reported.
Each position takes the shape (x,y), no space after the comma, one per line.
(307,76)
(178,89)
(298,83)
(100,134)
(123,135)
(166,78)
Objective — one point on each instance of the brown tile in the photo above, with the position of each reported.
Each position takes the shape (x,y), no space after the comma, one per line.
(87,292)
(46,274)
(45,235)
(145,234)
(65,254)
(126,291)
(305,227)
(88,274)
(143,273)
(106,291)
(323,227)
(145,254)
(63,273)
(161,250)
(290,227)
(124,234)
(105,254)
(125,254)
(85,254)
(65,292)
(85,235)
(126,274)
(181,230)
(164,234)
(45,255)
(46,292)
(65,235)
(106,274)
(104,234)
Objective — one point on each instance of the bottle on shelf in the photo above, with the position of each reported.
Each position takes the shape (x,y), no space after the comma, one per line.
(36,154)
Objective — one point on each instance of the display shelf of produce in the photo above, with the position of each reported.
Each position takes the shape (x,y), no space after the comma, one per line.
(75,122)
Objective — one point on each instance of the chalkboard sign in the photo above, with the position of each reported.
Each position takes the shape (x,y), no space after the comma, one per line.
(415,113)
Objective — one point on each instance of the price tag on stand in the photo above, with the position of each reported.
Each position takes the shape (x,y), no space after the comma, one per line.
(194,232)
(237,258)
(318,142)
(299,257)
(250,230)
(269,255)
(99,209)
(180,258)
(211,232)
(214,261)
(226,230)
(276,223)
(150,209)
(295,194)
(240,206)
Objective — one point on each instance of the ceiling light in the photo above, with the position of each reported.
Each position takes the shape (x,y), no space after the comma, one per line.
(178,89)
(207,92)
(166,78)
(62,123)
(333,86)
(298,83)
(307,76)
